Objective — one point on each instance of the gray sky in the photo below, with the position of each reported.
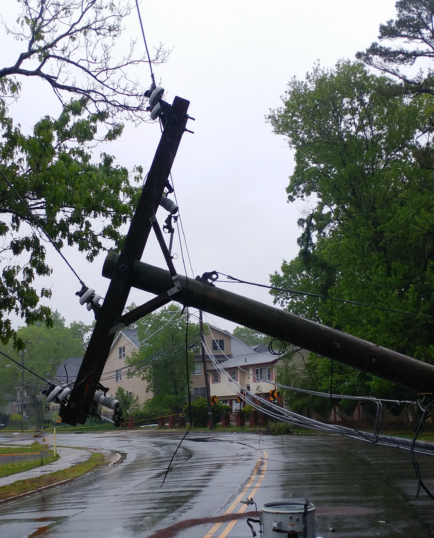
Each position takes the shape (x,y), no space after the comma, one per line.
(232,61)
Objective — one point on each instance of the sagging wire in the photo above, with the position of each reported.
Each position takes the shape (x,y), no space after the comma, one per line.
(23,367)
(234,280)
(38,222)
(312,392)
(420,482)
(281,413)
(189,401)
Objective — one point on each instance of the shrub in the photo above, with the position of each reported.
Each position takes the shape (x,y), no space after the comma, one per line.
(199,412)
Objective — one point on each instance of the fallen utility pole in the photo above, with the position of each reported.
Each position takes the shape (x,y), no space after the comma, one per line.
(355,352)
(109,314)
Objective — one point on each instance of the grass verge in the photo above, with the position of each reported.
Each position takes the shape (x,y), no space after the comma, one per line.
(25,486)
(34,448)
(7,469)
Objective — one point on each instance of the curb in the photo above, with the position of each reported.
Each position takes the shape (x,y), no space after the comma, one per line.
(37,490)
(117,458)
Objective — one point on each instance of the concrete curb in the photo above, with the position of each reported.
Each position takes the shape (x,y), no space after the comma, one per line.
(117,458)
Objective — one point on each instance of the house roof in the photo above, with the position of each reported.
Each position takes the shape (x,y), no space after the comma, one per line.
(69,368)
(243,355)
(130,334)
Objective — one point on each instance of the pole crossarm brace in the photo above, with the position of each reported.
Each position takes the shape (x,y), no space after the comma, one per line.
(110,313)
(355,352)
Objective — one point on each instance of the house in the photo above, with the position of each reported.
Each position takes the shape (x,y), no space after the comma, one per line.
(251,366)
(115,370)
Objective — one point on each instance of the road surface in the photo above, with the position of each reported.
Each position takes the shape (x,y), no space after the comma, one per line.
(360,489)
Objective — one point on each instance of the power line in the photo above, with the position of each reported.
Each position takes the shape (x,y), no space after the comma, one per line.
(38,222)
(234,280)
(23,367)
(146,45)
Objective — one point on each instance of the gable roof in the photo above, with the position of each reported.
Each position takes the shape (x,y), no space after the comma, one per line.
(243,355)
(129,334)
(68,370)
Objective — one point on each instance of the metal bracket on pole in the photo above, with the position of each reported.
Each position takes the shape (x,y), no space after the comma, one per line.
(163,298)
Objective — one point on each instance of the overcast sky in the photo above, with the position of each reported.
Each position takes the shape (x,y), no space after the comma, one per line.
(232,61)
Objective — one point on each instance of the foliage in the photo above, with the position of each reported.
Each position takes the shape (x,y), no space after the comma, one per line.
(250,337)
(368,235)
(72,45)
(128,403)
(413,33)
(47,180)
(45,349)
(199,412)
(247,409)
(279,428)
(161,359)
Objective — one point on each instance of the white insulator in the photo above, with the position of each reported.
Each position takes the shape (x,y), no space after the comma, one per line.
(106,401)
(53,393)
(169,205)
(156,111)
(89,306)
(86,296)
(156,96)
(64,393)
(97,298)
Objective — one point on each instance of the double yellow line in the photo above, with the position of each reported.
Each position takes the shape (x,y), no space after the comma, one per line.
(257,470)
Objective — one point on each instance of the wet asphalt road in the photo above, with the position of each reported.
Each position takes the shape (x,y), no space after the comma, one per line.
(362,490)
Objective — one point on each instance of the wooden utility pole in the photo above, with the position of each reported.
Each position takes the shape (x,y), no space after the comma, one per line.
(116,297)
(205,373)
(337,345)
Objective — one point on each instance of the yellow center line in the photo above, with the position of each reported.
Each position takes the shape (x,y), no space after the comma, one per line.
(231,524)
(237,500)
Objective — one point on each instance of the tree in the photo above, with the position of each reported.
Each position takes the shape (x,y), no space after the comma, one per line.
(129,404)
(45,349)
(73,45)
(161,359)
(50,184)
(368,234)
(250,337)
(413,31)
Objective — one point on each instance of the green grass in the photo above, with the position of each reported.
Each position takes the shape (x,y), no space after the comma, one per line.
(7,469)
(34,448)
(25,486)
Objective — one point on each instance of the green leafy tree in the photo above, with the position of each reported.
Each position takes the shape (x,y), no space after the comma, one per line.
(250,337)
(50,179)
(161,359)
(368,233)
(129,404)
(45,349)
(403,42)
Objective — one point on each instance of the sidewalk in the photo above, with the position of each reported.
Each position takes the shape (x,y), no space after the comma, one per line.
(68,458)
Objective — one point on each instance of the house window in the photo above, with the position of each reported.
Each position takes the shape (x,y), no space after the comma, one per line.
(218,345)
(233,375)
(118,375)
(215,378)
(122,352)
(262,374)
(197,368)
(199,392)
(248,387)
(130,394)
